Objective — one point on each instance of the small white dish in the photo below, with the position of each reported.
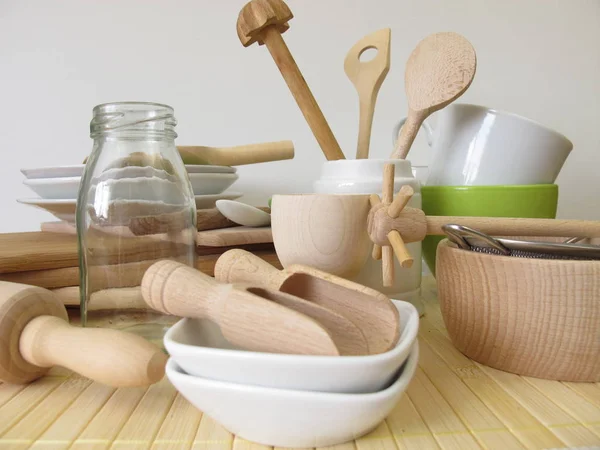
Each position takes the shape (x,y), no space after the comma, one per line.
(77,171)
(289,418)
(211,183)
(64,209)
(243,214)
(201,350)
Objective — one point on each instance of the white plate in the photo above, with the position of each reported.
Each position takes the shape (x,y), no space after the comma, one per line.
(64,209)
(68,187)
(287,418)
(77,171)
(198,346)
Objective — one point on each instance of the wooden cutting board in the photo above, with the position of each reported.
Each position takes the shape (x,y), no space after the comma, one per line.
(25,252)
(129,274)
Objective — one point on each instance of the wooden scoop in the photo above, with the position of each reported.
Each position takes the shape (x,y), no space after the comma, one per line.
(439,70)
(251,317)
(35,335)
(370,310)
(367,77)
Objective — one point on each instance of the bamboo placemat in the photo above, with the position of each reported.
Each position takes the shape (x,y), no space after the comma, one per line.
(452,403)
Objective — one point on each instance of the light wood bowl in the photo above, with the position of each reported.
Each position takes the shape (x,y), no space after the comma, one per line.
(532,317)
(326,231)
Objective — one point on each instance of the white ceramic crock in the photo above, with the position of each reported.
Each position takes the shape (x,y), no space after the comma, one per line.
(365,176)
(475,146)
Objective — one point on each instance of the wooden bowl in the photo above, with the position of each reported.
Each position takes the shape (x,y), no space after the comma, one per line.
(325,231)
(533,317)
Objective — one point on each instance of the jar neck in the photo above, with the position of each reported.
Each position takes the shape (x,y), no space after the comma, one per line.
(138,121)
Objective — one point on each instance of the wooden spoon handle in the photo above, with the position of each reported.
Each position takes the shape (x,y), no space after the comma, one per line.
(108,356)
(240,266)
(408,133)
(174,288)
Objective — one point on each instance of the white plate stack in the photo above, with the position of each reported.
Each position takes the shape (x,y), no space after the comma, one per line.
(58,187)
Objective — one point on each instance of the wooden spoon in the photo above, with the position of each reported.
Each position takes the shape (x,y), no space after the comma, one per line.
(367,77)
(253,318)
(370,310)
(439,70)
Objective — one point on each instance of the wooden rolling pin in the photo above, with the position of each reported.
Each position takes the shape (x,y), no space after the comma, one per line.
(239,155)
(35,335)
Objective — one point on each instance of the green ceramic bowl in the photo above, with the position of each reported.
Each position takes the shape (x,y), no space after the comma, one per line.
(531,201)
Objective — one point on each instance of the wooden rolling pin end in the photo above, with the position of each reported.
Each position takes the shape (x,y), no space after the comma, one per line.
(111,357)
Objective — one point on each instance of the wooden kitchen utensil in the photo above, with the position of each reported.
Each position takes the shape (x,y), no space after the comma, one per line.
(239,155)
(439,70)
(254,318)
(35,335)
(367,77)
(227,237)
(370,310)
(393,224)
(264,21)
(114,298)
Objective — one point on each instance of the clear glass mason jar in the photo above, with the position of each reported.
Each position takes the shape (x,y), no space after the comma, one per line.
(135,206)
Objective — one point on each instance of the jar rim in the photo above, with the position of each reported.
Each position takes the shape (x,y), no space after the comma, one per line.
(132,103)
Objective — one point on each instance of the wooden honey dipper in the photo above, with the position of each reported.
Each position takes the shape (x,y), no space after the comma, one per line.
(391,225)
(35,335)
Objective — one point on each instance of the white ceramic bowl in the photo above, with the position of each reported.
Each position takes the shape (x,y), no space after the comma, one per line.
(289,418)
(201,350)
(68,187)
(77,170)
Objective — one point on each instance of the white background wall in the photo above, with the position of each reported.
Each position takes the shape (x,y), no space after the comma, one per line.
(538,58)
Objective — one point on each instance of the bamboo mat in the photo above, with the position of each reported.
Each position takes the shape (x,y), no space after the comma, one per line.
(452,403)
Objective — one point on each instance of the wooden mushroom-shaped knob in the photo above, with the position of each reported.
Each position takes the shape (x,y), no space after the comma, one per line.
(256,15)
(35,335)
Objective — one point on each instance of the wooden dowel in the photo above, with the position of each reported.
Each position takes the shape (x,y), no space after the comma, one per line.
(402,198)
(376,252)
(387,266)
(402,254)
(374,200)
(388,184)
(510,226)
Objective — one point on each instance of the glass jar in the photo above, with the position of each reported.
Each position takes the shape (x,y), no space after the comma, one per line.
(135,206)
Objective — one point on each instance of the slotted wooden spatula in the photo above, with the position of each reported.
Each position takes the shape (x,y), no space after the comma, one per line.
(439,70)
(254,318)
(369,310)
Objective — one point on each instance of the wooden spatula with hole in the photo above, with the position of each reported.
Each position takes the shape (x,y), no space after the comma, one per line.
(371,311)
(439,70)
(254,318)
(367,77)
(35,335)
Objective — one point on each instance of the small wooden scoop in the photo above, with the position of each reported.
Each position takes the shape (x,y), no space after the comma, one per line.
(35,335)
(251,317)
(439,70)
(370,310)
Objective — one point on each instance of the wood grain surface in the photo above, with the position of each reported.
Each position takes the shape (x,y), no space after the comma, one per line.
(452,403)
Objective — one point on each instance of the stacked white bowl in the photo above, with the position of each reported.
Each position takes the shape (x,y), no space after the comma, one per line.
(57,187)
(290,400)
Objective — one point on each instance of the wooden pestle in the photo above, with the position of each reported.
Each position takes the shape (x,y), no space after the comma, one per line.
(35,335)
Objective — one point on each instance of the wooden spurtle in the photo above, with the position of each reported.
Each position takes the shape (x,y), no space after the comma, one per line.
(367,77)
(239,155)
(35,335)
(439,70)
(253,318)
(370,310)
